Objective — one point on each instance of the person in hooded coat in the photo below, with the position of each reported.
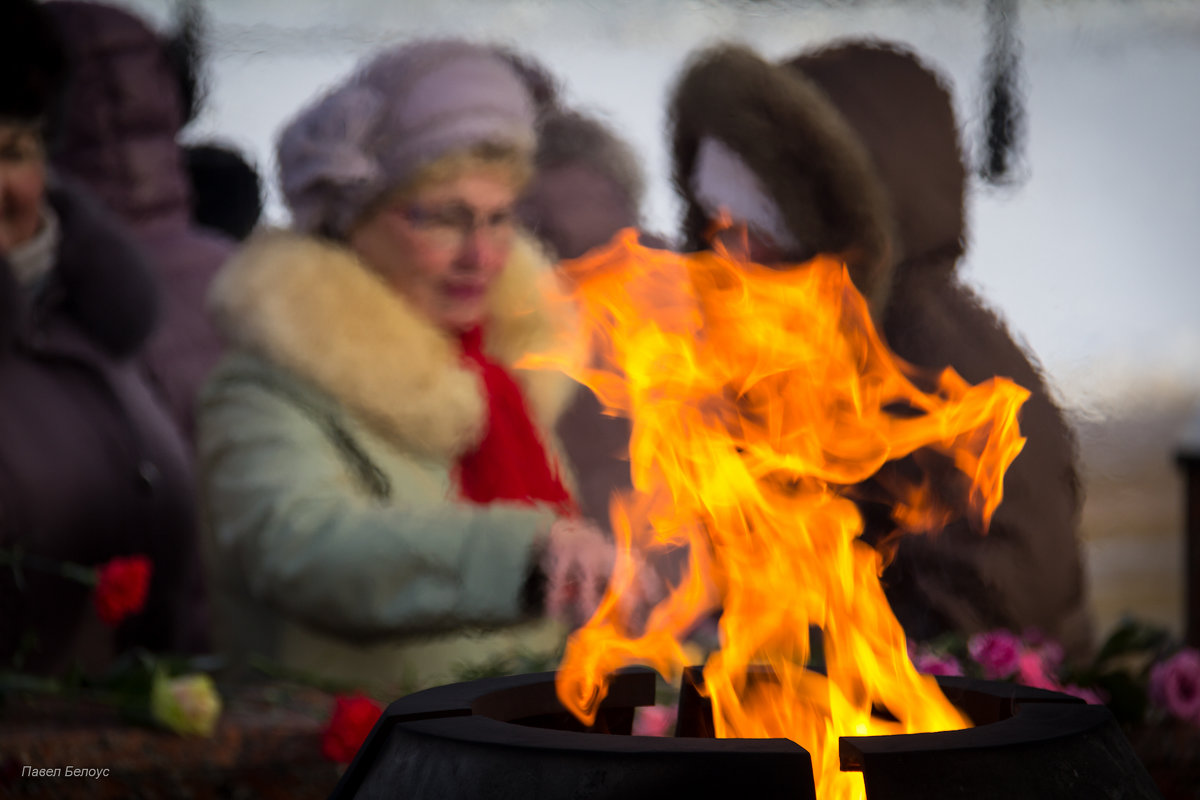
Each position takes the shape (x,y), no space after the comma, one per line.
(852,149)
(92,466)
(123,115)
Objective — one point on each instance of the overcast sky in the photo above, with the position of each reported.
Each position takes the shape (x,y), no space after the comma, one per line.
(1094,260)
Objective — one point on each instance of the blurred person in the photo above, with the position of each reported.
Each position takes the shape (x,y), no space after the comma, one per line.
(382,487)
(852,149)
(91,465)
(124,111)
(588,184)
(226,189)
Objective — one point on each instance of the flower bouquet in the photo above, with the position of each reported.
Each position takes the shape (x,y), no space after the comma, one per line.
(1146,678)
(169,693)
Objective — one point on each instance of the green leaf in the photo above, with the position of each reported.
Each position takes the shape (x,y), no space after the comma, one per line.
(129,677)
(1128,638)
(1127,699)
(29,643)
(519,662)
(277,671)
(954,644)
(495,667)
(20,682)
(74,677)
(18,575)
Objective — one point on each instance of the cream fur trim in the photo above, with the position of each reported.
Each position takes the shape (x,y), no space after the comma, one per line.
(314,308)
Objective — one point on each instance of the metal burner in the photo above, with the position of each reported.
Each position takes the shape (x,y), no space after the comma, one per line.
(510,737)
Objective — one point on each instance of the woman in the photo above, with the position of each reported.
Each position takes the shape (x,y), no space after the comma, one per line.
(853,149)
(383,494)
(91,465)
(118,137)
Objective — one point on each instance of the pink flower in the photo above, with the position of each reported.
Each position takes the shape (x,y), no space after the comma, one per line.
(1090,695)
(352,719)
(998,652)
(1032,671)
(121,587)
(1050,650)
(934,664)
(1175,684)
(654,721)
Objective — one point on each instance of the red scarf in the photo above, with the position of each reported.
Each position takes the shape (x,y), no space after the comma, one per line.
(510,463)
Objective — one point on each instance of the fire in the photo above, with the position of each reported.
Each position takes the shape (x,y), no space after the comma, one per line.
(758,397)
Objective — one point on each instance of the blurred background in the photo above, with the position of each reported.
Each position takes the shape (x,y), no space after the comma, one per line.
(1087,241)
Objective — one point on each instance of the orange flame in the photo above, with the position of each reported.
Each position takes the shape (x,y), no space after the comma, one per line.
(757,397)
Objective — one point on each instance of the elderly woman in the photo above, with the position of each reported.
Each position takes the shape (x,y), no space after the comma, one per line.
(383,494)
(91,465)
(118,138)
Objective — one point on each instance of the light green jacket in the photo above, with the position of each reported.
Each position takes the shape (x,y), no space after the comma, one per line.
(337,542)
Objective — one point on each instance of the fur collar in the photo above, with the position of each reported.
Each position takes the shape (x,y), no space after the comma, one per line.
(312,307)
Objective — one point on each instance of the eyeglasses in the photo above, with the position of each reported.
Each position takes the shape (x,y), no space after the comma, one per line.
(450,226)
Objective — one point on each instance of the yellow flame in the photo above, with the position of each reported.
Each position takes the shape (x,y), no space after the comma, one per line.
(757,397)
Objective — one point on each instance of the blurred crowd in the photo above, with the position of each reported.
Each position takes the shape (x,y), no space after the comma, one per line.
(317,433)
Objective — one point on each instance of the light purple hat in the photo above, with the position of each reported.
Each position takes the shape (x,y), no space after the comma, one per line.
(405,108)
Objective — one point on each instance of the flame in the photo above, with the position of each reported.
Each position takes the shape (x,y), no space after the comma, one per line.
(758,397)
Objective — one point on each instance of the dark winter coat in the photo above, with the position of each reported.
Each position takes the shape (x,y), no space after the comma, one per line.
(857,144)
(91,464)
(123,112)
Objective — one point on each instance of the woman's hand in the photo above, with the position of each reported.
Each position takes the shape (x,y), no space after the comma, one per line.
(576,562)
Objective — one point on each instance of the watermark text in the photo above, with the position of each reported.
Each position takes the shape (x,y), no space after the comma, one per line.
(69,771)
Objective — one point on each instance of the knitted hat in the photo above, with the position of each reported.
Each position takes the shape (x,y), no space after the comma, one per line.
(406,108)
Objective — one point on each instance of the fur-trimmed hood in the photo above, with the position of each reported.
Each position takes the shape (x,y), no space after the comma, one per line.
(855,143)
(310,306)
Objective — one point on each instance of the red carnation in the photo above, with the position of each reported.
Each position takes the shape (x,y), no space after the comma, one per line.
(351,721)
(121,587)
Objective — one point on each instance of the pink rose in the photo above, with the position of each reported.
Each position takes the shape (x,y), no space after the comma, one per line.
(1032,671)
(998,652)
(934,664)
(654,721)
(1050,650)
(1090,695)
(1175,684)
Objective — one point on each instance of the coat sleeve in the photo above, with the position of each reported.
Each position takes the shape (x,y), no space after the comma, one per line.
(1028,570)
(289,519)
